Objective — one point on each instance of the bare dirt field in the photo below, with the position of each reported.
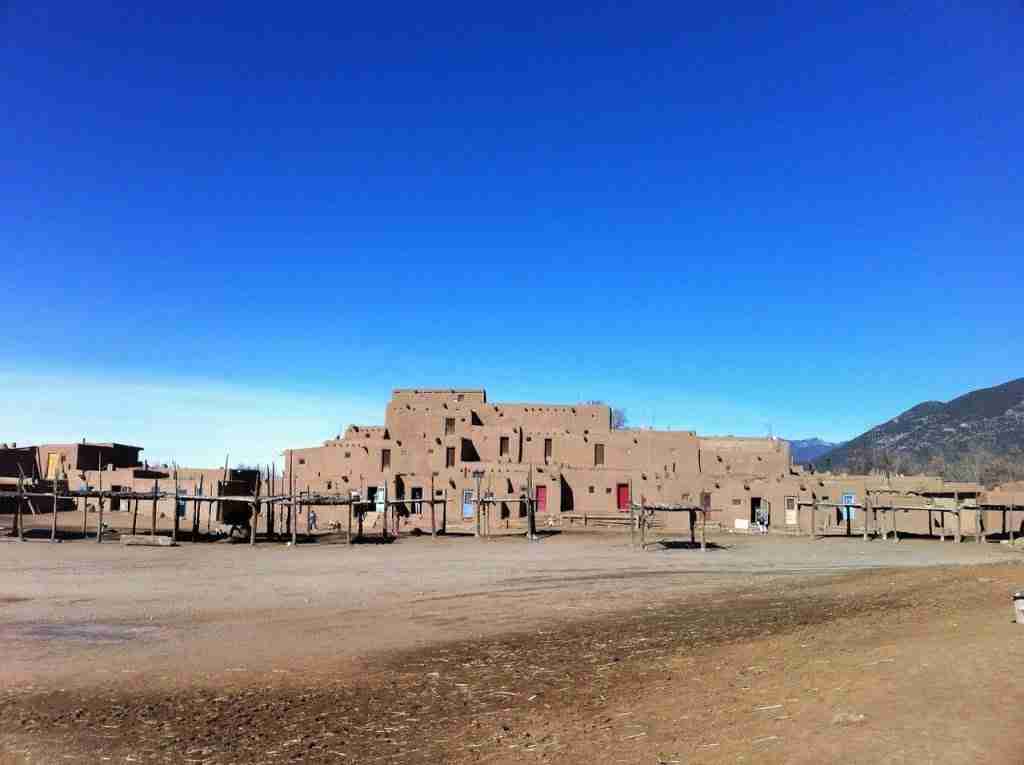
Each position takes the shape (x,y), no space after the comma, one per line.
(576,649)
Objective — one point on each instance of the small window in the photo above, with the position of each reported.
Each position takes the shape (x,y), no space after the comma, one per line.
(329,486)
(449,457)
(302,461)
(385,459)
(348,454)
(791,503)
(598,454)
(547,449)
(591,491)
(737,501)
(449,425)
(503,446)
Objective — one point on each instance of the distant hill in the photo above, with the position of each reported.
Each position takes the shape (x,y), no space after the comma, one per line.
(951,438)
(807,450)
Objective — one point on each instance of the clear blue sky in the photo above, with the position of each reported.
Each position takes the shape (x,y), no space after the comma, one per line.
(723,218)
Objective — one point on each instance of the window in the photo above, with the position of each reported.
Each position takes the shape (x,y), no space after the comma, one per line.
(591,490)
(449,457)
(449,425)
(503,446)
(385,459)
(547,449)
(791,503)
(302,461)
(737,501)
(598,454)
(329,486)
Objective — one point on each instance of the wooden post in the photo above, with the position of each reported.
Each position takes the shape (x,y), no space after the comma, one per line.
(444,513)
(433,516)
(1011,523)
(295,521)
(174,528)
(99,521)
(85,514)
(255,510)
(867,515)
(156,490)
(959,527)
(895,531)
(195,513)
(18,521)
(982,530)
(348,533)
(270,505)
(704,530)
(53,524)
(632,524)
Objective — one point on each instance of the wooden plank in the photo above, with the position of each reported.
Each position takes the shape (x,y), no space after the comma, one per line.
(145,540)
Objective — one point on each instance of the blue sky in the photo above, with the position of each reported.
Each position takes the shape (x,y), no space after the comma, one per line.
(725,219)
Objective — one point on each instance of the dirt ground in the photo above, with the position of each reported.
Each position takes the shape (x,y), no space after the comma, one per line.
(576,649)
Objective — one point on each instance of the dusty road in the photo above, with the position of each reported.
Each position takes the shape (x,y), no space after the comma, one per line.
(576,649)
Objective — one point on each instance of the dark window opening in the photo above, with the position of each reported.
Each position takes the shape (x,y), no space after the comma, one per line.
(449,425)
(547,449)
(385,459)
(598,454)
(449,457)
(503,446)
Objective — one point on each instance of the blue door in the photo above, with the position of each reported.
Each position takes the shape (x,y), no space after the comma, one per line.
(467,504)
(849,513)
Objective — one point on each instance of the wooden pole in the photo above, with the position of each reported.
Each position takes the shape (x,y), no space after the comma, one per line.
(255,511)
(291,497)
(53,524)
(959,527)
(348,533)
(433,515)
(156,490)
(85,514)
(99,520)
(632,523)
(982,529)
(174,528)
(195,513)
(1010,529)
(895,531)
(444,513)
(18,521)
(478,508)
(867,515)
(703,530)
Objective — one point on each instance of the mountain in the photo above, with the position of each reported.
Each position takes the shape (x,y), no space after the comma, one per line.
(984,424)
(807,450)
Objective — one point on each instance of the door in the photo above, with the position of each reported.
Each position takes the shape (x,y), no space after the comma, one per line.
(759,512)
(52,464)
(467,504)
(542,498)
(622,496)
(848,512)
(417,493)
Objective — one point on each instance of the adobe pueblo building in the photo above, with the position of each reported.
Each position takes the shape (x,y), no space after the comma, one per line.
(455,443)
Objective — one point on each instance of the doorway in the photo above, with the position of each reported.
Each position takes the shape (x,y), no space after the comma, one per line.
(467,504)
(759,510)
(622,496)
(542,499)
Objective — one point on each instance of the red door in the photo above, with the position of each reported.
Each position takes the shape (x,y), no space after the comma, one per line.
(622,492)
(542,498)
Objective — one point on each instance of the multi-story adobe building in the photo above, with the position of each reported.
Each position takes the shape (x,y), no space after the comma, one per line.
(567,456)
